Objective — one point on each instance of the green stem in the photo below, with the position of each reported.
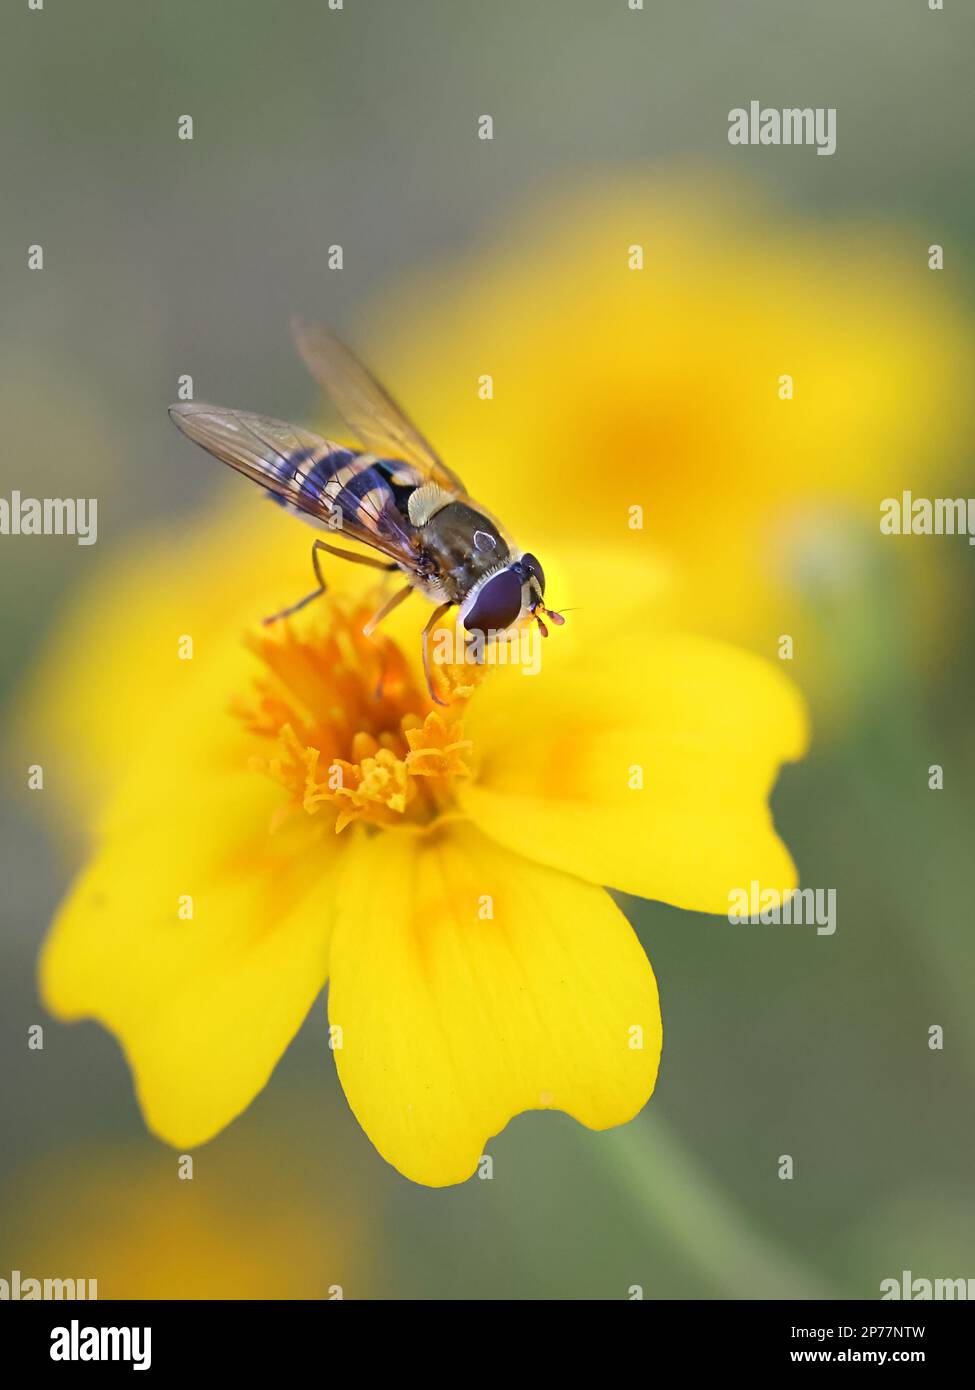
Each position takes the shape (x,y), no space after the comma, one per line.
(674,1194)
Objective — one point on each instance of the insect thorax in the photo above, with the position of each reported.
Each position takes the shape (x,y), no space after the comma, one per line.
(463,546)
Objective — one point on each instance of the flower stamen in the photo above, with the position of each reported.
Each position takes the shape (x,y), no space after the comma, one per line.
(354,733)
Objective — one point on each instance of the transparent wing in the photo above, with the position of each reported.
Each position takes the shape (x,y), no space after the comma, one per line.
(293,464)
(366,407)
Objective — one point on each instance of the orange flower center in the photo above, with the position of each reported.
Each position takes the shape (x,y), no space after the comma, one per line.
(354,733)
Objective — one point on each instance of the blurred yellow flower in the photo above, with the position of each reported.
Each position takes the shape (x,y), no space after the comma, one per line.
(477,967)
(662,388)
(248,1225)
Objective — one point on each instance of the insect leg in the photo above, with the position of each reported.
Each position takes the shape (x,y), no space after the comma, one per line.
(386,609)
(435,617)
(373,623)
(316,566)
(351,555)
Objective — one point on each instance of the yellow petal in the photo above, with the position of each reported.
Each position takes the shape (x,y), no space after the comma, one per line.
(659,388)
(203,1007)
(646,767)
(117,645)
(469,985)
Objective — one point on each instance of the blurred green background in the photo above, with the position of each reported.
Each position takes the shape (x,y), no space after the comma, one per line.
(161,257)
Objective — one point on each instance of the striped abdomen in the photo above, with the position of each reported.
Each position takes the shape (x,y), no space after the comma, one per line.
(363,490)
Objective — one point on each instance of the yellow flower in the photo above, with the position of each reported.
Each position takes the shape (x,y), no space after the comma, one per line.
(255,1226)
(661,388)
(449,885)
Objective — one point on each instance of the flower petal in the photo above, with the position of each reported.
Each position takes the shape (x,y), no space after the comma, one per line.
(453,1021)
(645,767)
(658,388)
(211,580)
(203,1007)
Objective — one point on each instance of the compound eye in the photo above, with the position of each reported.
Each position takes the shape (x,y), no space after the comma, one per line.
(497,605)
(534,570)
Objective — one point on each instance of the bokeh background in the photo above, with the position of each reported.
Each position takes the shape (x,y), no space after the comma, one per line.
(358,127)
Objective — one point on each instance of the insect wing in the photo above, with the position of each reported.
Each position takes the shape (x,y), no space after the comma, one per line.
(295,465)
(367,407)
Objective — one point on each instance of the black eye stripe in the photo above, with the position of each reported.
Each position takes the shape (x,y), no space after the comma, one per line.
(532,568)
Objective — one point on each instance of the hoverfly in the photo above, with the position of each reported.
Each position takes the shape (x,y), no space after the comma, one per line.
(394,496)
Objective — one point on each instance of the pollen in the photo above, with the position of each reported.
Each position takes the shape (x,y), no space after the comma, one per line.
(344,723)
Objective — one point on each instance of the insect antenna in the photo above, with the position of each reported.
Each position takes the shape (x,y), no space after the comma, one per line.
(556,618)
